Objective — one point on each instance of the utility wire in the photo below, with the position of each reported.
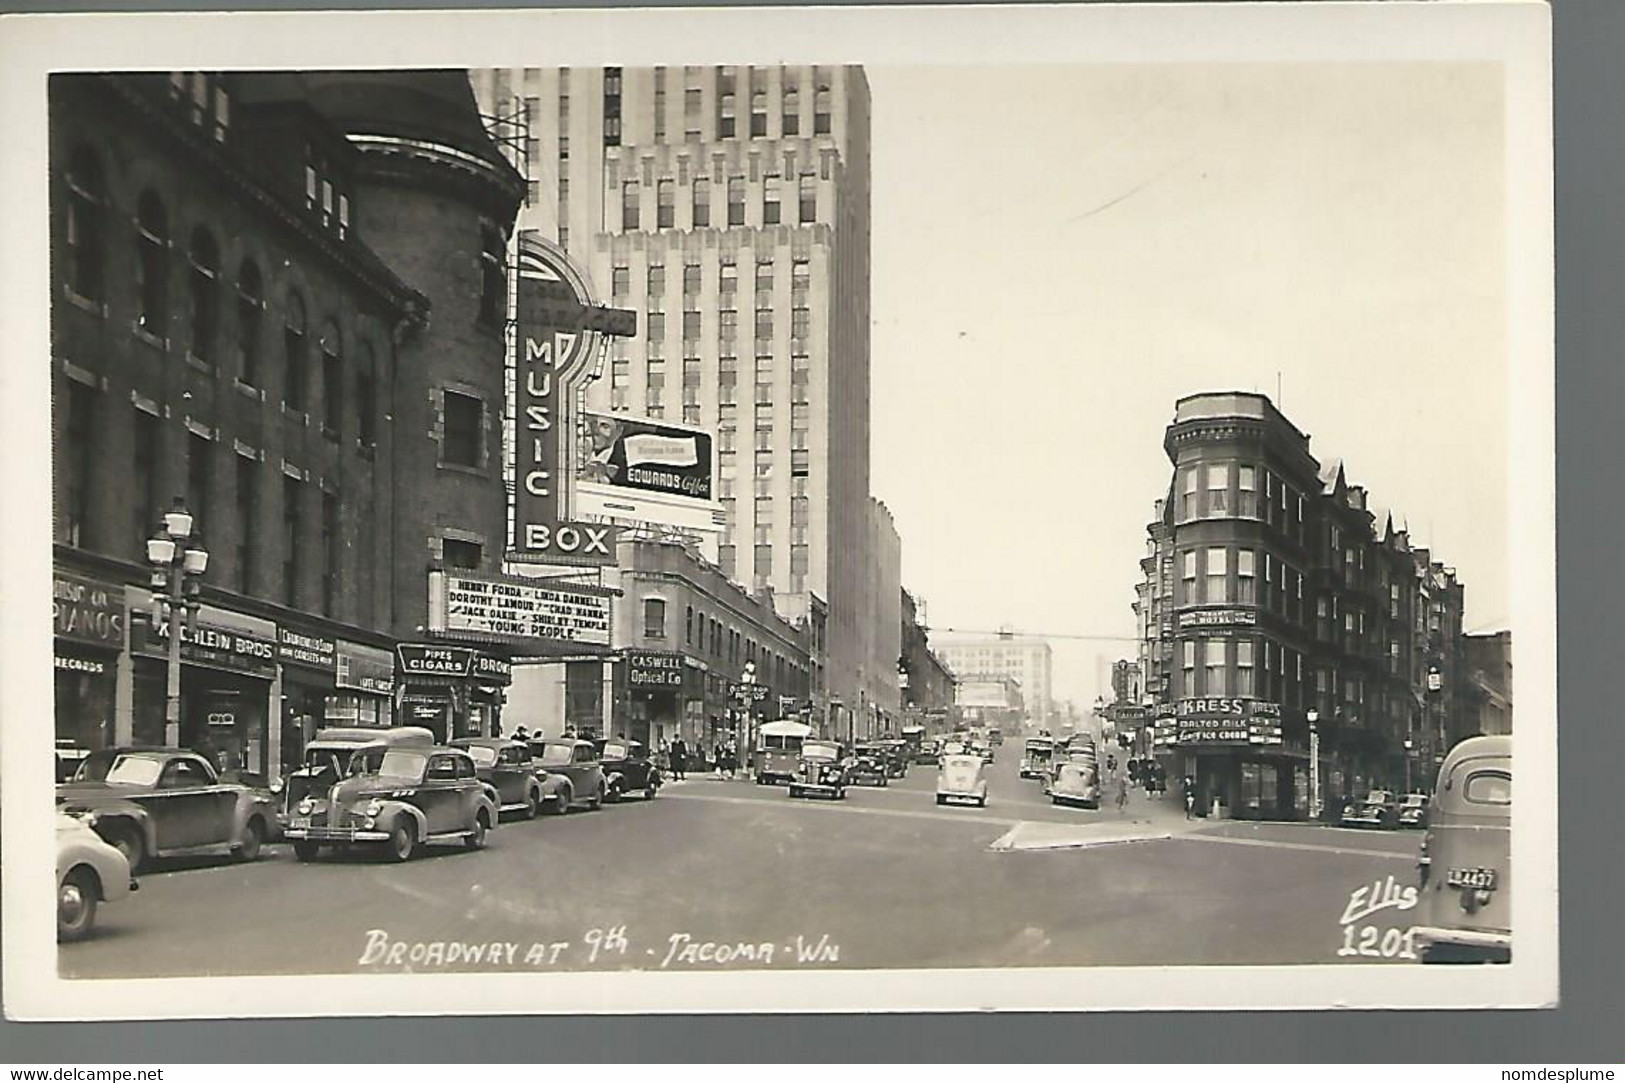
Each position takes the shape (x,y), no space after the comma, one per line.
(1035,635)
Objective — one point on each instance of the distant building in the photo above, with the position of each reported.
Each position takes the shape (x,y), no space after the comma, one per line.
(1026,659)
(1488,665)
(927,682)
(991,702)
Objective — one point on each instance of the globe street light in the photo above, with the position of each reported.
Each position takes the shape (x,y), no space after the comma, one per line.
(178,561)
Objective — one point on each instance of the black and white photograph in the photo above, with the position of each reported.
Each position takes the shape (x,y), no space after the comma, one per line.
(800,510)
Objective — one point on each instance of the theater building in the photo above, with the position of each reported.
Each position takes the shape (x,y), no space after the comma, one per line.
(1272,589)
(242,270)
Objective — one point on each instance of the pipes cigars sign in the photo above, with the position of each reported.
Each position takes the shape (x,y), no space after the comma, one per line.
(559,332)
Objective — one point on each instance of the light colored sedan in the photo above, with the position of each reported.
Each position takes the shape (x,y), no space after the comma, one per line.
(962,777)
(89,872)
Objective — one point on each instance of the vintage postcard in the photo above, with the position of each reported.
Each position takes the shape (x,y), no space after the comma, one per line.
(849,509)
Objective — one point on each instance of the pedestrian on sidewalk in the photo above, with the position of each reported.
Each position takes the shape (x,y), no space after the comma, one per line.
(679,758)
(1122,794)
(1188,785)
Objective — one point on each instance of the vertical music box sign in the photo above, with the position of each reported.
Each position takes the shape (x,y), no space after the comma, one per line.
(558,333)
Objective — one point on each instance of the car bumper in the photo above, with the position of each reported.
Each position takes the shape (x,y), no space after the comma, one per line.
(1466,945)
(1362,820)
(960,795)
(815,787)
(333,834)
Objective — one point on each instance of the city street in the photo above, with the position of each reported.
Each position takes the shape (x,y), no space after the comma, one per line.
(729,874)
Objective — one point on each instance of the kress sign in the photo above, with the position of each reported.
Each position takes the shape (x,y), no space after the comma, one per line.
(558,334)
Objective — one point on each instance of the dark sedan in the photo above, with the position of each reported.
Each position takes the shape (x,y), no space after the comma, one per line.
(506,767)
(627,769)
(166,802)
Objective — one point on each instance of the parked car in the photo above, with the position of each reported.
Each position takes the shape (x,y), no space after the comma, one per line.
(1413,810)
(69,755)
(166,802)
(628,769)
(821,770)
(928,752)
(1076,782)
(505,766)
(417,796)
(868,766)
(962,777)
(575,763)
(1464,909)
(1379,809)
(89,872)
(335,754)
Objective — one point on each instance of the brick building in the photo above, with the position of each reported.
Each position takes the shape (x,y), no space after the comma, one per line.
(1272,588)
(927,682)
(243,267)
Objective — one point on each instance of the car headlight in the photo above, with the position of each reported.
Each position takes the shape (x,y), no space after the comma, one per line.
(369,823)
(306,807)
(374,807)
(276,787)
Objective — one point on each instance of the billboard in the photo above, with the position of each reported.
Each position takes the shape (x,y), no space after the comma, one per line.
(989,694)
(641,470)
(512,608)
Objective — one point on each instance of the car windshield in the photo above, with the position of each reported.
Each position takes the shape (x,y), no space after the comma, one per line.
(614,750)
(553,755)
(399,763)
(481,755)
(135,770)
(1415,800)
(819,752)
(325,758)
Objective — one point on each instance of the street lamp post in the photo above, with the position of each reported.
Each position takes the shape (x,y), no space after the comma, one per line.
(178,562)
(1314,764)
(1409,744)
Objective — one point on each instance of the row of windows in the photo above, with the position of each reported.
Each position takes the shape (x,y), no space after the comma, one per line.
(208,297)
(726,119)
(727,282)
(710,635)
(699,217)
(81,452)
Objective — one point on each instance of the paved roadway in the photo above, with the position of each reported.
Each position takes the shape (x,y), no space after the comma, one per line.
(886,878)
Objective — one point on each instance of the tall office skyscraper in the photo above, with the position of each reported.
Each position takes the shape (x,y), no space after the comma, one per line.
(729,206)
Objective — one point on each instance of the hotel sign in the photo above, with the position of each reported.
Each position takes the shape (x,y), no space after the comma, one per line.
(558,336)
(517,609)
(1211,618)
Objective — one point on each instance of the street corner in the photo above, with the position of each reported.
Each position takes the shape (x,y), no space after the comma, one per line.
(1030,836)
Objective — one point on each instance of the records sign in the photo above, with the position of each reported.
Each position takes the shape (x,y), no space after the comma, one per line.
(517,609)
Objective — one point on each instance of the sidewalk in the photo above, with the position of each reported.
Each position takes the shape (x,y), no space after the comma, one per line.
(1143,820)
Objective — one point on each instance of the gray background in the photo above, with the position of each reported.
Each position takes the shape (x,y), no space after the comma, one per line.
(1589,42)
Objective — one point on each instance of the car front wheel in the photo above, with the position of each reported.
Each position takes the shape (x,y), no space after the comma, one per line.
(475,839)
(128,841)
(533,805)
(403,839)
(76,905)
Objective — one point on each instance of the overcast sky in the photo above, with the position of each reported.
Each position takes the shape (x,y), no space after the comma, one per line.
(1061,252)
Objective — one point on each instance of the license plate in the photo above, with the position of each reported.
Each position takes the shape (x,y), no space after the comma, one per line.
(1483,879)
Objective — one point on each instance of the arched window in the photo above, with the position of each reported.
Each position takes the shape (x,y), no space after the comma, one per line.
(332,381)
(250,304)
(293,351)
(204,283)
(152,265)
(84,226)
(366,397)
